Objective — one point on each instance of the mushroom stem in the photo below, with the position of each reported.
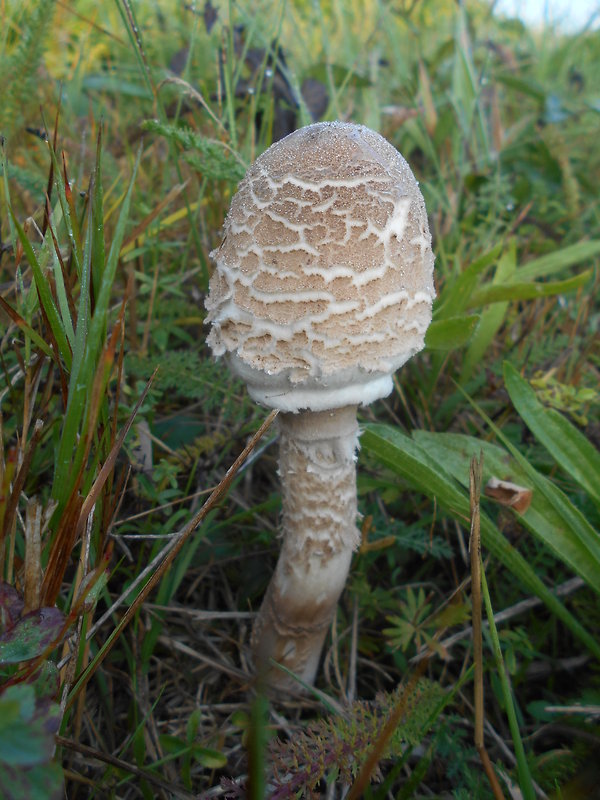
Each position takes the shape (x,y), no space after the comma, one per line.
(318,475)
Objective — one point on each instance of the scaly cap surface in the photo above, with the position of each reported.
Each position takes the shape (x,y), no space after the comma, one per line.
(324,280)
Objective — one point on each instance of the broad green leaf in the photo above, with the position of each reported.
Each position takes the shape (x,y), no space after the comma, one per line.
(28,738)
(575,541)
(450,333)
(454,451)
(457,296)
(524,85)
(571,449)
(27,727)
(527,291)
(209,758)
(558,260)
(424,472)
(491,319)
(113,85)
(340,75)
(40,782)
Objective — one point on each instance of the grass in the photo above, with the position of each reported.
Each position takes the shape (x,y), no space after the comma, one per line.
(138,490)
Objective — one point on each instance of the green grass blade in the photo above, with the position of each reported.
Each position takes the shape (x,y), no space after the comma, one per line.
(466,88)
(99,320)
(67,465)
(527,291)
(133,32)
(525,781)
(420,469)
(45,295)
(567,445)
(457,295)
(491,319)
(71,223)
(4,166)
(61,292)
(561,259)
(257,747)
(26,328)
(97,200)
(90,337)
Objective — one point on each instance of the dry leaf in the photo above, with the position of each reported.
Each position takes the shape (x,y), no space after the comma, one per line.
(509,494)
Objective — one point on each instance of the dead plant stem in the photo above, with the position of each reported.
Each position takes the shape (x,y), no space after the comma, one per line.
(168,556)
(475,553)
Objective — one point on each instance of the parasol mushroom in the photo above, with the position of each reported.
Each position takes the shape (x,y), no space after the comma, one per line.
(322,289)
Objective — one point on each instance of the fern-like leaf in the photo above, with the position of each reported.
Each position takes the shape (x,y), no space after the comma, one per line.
(334,747)
(20,64)
(213,159)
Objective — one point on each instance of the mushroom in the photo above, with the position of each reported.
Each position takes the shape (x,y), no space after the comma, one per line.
(322,289)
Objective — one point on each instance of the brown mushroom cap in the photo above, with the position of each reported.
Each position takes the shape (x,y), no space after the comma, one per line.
(324,279)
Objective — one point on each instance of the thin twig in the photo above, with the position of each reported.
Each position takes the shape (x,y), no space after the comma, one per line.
(169,553)
(145,774)
(234,672)
(475,552)
(563,589)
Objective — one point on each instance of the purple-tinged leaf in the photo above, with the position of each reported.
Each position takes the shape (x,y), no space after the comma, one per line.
(11,606)
(31,635)
(27,729)
(45,680)
(41,782)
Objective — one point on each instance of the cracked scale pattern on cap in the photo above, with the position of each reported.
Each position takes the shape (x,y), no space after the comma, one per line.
(324,280)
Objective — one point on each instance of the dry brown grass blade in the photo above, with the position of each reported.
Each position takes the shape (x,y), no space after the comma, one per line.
(139,229)
(475,474)
(21,323)
(61,550)
(47,209)
(19,482)
(112,497)
(109,464)
(33,555)
(132,769)
(92,24)
(171,554)
(7,471)
(378,750)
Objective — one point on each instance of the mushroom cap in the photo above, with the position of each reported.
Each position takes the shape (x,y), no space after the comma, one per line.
(324,279)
